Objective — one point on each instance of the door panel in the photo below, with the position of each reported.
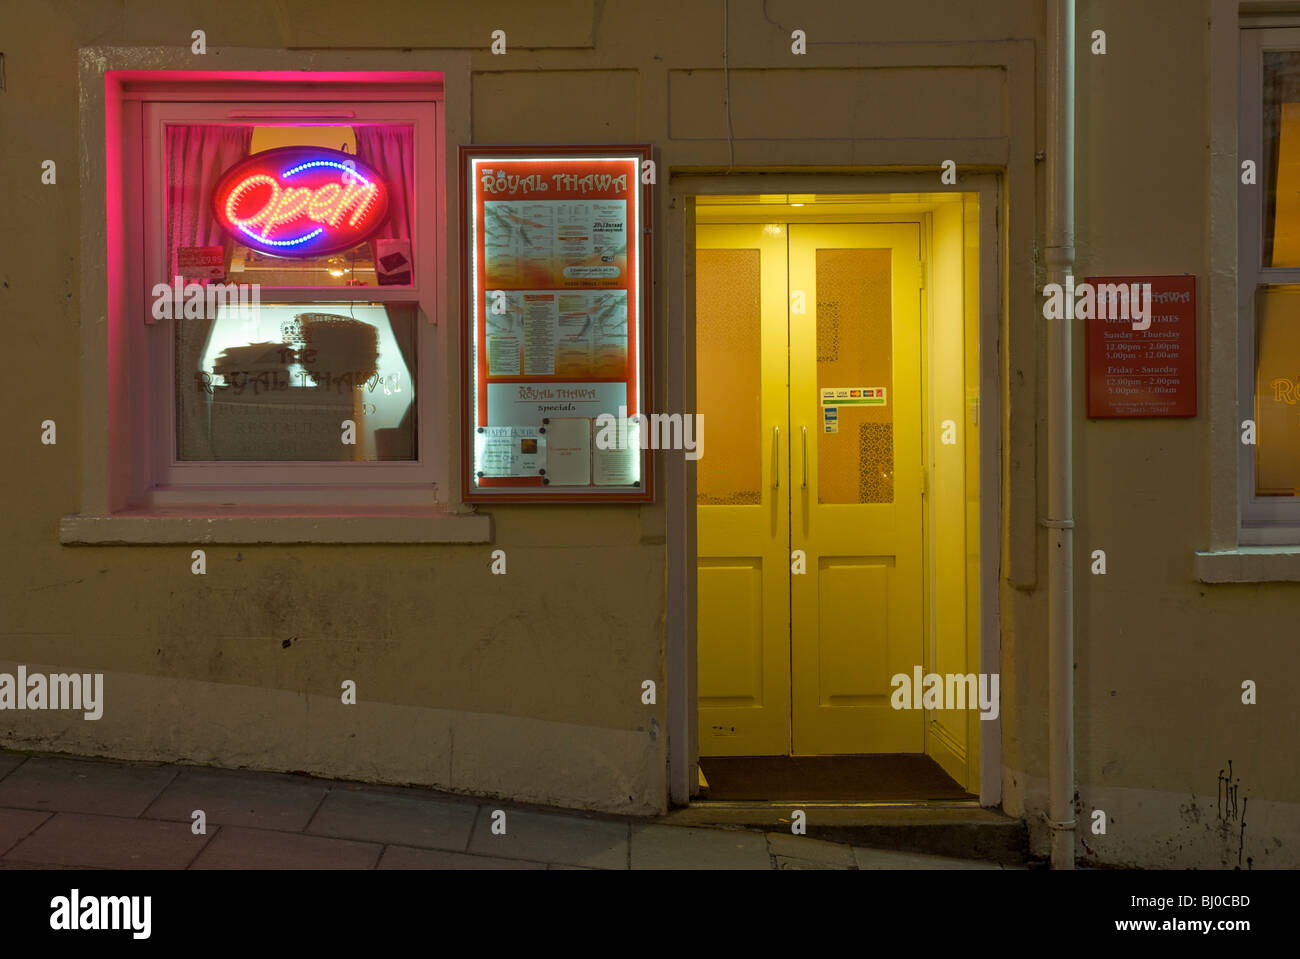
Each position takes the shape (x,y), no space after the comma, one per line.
(853,651)
(742,496)
(856,615)
(733,620)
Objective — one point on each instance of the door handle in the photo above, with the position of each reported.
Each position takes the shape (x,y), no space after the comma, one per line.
(805,457)
(776,457)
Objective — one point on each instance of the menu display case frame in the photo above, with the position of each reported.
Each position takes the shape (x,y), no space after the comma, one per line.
(556,275)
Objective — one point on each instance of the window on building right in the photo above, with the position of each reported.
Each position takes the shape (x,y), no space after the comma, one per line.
(1269,288)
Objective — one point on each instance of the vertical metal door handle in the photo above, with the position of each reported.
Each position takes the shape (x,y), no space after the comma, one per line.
(776,457)
(805,457)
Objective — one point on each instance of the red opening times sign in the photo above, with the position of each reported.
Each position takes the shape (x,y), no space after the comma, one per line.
(1148,372)
(556,314)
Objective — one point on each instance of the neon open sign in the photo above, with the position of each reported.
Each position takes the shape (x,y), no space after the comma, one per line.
(300,201)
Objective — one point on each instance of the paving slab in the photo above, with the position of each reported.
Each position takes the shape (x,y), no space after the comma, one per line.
(674,847)
(407,857)
(9,762)
(830,855)
(108,842)
(542,837)
(6,864)
(790,862)
(75,785)
(236,847)
(890,859)
(397,820)
(231,797)
(17,824)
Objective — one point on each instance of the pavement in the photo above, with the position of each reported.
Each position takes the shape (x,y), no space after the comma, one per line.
(65,813)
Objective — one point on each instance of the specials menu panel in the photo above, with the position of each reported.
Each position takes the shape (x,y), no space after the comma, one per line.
(555,242)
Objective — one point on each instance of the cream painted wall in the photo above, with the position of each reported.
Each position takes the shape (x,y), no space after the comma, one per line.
(528,685)
(1161,657)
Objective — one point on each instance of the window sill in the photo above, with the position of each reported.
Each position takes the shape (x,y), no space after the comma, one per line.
(1250,564)
(274,525)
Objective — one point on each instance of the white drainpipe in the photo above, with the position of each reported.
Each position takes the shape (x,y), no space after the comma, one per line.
(1060,492)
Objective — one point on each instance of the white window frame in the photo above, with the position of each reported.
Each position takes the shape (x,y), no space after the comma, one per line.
(159,479)
(1262,520)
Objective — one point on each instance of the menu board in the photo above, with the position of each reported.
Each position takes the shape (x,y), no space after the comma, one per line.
(555,241)
(1148,372)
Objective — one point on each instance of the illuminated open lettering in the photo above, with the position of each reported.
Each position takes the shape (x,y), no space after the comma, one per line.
(300,201)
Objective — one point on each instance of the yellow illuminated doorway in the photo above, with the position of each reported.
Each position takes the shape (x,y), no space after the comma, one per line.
(811,344)
(809,500)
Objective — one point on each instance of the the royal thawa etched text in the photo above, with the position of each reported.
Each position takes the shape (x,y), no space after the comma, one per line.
(75,911)
(1106,301)
(80,691)
(947,691)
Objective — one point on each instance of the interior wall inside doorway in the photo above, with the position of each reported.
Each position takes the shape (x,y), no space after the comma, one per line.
(952,507)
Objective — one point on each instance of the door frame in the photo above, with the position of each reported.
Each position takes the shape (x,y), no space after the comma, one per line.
(678,473)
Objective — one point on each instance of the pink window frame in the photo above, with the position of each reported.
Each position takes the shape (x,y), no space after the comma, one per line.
(157,480)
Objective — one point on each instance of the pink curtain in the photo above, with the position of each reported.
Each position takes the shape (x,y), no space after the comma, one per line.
(196,157)
(391,151)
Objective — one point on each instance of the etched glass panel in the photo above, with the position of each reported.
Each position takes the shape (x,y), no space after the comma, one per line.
(728,349)
(855,380)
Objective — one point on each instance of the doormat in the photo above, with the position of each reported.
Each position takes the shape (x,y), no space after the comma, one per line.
(902,778)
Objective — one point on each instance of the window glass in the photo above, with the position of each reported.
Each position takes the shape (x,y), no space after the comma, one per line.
(855,344)
(728,291)
(1277,392)
(293,215)
(1281,174)
(277,381)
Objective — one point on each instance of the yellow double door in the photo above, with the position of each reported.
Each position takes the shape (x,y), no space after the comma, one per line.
(809,501)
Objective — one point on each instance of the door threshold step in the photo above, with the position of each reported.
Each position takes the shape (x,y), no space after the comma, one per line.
(946,828)
(704,803)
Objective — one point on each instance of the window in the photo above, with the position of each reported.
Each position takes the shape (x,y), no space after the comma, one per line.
(1269,288)
(288,258)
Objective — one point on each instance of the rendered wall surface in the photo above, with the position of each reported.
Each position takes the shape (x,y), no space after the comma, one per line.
(528,685)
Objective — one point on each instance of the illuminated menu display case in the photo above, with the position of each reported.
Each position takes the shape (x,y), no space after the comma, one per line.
(555,243)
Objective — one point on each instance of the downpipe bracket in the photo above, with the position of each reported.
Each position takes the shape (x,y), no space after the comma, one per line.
(1068,825)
